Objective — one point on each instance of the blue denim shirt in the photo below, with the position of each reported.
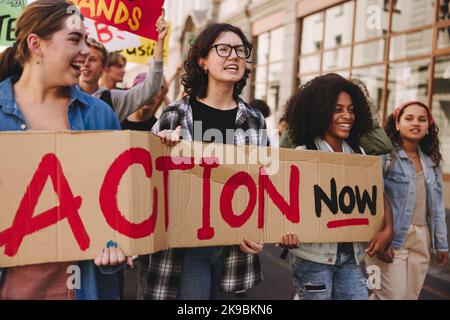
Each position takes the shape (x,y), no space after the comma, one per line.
(326,253)
(84,113)
(400,188)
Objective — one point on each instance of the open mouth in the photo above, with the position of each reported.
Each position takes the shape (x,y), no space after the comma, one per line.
(77,65)
(345,126)
(232,67)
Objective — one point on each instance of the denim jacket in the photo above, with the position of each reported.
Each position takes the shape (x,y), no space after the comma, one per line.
(84,113)
(400,188)
(326,253)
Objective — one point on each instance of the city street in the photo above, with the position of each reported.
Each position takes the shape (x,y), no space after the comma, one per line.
(277,284)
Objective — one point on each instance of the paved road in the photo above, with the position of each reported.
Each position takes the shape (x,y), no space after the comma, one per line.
(277,284)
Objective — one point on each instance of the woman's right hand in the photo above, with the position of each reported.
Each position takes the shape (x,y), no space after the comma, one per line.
(170,137)
(289,241)
(387,255)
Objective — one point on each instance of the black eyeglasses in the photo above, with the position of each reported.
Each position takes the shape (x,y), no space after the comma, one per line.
(224,50)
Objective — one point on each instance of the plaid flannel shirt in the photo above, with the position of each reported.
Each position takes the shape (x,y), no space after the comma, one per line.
(242,270)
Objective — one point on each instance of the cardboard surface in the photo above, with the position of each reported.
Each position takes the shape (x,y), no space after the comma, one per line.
(101,186)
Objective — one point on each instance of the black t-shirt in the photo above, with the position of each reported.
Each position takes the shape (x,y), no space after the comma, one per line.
(138,126)
(211,118)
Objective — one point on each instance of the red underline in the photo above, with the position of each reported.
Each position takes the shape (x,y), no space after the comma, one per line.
(347,223)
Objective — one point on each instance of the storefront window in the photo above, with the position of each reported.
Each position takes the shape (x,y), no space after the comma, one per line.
(410,45)
(312,33)
(444,10)
(407,81)
(339,25)
(412,14)
(371,19)
(326,47)
(262,49)
(336,59)
(441,106)
(269,67)
(373,77)
(443,40)
(368,53)
(310,64)
(305,79)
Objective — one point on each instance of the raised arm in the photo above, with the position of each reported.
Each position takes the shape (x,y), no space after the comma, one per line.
(126,102)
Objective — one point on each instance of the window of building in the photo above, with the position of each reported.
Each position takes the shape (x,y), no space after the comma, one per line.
(411,44)
(268,70)
(441,106)
(396,61)
(407,81)
(413,14)
(370,20)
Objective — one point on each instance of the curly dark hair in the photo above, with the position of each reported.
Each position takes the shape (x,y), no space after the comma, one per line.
(429,144)
(309,112)
(195,81)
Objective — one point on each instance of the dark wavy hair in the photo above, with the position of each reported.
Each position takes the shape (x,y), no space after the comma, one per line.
(310,110)
(195,81)
(429,144)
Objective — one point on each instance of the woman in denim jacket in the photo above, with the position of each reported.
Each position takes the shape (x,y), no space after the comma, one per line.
(413,184)
(38,77)
(329,114)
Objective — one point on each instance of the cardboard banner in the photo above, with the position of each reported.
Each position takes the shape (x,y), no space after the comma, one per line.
(142,52)
(9,12)
(64,195)
(135,16)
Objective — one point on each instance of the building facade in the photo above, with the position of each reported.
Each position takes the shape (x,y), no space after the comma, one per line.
(400,48)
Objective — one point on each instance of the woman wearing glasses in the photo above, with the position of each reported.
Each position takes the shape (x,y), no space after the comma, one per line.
(216,73)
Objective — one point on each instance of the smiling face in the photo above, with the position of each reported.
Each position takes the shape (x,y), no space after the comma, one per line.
(64,54)
(93,67)
(342,119)
(413,123)
(223,69)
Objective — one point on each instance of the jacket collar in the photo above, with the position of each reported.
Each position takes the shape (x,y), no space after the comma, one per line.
(426,160)
(8,103)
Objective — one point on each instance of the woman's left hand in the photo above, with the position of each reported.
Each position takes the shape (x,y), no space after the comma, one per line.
(249,246)
(112,255)
(442,259)
(289,241)
(380,242)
